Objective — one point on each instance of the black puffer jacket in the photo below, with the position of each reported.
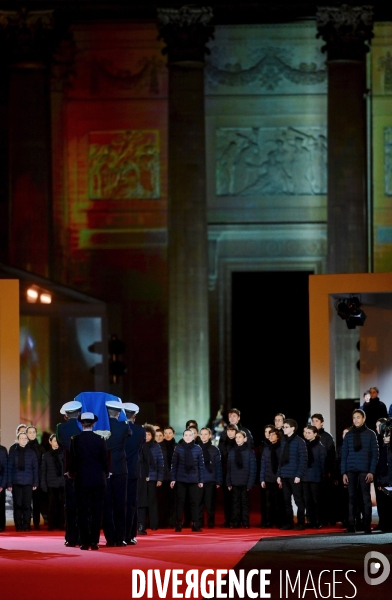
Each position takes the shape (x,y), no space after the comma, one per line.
(52,469)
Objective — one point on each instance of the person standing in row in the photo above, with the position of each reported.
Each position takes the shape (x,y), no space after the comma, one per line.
(23,479)
(64,433)
(274,506)
(52,482)
(358,467)
(133,448)
(314,476)
(212,477)
(115,505)
(89,466)
(240,478)
(151,460)
(292,467)
(187,474)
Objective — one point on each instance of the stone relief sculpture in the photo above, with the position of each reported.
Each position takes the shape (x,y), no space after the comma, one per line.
(124,164)
(385,64)
(388,160)
(267,68)
(271,161)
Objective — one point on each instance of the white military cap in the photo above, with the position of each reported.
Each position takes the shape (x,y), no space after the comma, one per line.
(114,404)
(130,407)
(70,406)
(88,416)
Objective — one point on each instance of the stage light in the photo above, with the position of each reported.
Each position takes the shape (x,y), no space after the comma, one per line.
(45,298)
(32,295)
(349,309)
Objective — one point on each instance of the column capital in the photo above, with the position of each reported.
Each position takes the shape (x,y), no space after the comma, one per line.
(186,31)
(27,37)
(346,30)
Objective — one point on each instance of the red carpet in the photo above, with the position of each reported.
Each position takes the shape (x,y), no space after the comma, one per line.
(40,564)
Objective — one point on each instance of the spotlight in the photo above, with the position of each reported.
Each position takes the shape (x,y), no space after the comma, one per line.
(32,295)
(349,309)
(45,298)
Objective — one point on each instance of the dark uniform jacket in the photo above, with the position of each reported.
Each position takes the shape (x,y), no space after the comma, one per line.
(27,476)
(212,468)
(65,431)
(3,467)
(119,431)
(89,464)
(245,475)
(52,469)
(179,472)
(316,471)
(133,447)
(329,444)
(298,458)
(266,469)
(363,460)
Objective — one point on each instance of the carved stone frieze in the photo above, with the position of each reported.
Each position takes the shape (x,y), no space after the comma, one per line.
(186,31)
(346,30)
(268,71)
(146,76)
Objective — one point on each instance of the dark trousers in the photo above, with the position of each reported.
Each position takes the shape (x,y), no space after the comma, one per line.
(384,510)
(359,489)
(36,507)
(293,489)
(311,490)
(274,504)
(90,508)
(71,513)
(2,510)
(227,501)
(166,505)
(208,501)
(56,508)
(152,507)
(240,505)
(115,509)
(131,518)
(21,495)
(194,500)
(328,502)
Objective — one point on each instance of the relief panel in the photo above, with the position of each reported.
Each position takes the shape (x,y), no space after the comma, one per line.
(271,161)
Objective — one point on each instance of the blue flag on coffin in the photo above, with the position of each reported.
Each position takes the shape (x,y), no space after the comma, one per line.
(95,402)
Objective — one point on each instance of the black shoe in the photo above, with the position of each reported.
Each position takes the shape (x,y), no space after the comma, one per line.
(286,527)
(350,529)
(266,525)
(26,528)
(84,547)
(94,547)
(142,532)
(299,526)
(132,542)
(226,524)
(69,545)
(121,544)
(110,545)
(154,528)
(18,529)
(178,527)
(196,529)
(367,530)
(211,525)
(36,527)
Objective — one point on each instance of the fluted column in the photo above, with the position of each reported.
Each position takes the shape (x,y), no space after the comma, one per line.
(346,31)
(185,32)
(26,43)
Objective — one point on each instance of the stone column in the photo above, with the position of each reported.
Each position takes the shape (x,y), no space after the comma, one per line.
(346,31)
(27,42)
(186,31)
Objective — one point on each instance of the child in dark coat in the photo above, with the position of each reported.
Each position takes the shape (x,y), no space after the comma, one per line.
(22,480)
(152,468)
(212,476)
(52,481)
(240,478)
(274,506)
(314,475)
(187,474)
